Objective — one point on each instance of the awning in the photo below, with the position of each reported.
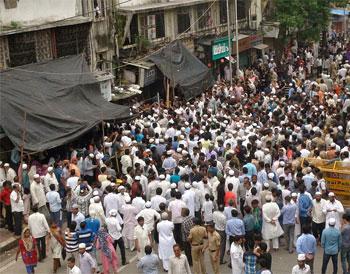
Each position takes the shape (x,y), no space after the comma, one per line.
(340,12)
(162,5)
(140,64)
(183,68)
(60,100)
(261,46)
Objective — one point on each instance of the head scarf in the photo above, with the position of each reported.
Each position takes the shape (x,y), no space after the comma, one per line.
(102,236)
(27,242)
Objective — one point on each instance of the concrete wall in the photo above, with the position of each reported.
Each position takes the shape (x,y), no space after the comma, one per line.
(33,12)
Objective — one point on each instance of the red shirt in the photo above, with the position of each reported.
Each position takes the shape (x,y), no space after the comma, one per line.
(5,196)
(229,195)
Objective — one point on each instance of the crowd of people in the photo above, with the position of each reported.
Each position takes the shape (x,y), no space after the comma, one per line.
(228,174)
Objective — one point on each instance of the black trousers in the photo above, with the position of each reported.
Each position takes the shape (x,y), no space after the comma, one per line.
(120,243)
(41,242)
(177,234)
(222,234)
(317,229)
(8,217)
(18,219)
(187,249)
(241,206)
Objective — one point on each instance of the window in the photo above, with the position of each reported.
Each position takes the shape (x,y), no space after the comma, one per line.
(153,25)
(134,31)
(10,4)
(203,16)
(22,49)
(240,9)
(72,40)
(223,11)
(99,9)
(183,21)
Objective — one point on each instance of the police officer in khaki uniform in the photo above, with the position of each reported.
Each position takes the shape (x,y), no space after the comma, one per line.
(213,244)
(196,238)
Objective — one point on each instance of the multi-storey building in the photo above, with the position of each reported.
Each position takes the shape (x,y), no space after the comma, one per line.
(40,30)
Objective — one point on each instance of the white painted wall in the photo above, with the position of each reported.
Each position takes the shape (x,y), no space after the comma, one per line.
(33,12)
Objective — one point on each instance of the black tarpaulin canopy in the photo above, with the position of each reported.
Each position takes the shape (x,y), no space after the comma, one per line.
(179,65)
(61,100)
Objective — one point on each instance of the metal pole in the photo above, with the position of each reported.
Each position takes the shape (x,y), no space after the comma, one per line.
(237,51)
(229,39)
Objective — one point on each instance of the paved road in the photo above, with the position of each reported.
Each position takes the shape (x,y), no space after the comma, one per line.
(282,264)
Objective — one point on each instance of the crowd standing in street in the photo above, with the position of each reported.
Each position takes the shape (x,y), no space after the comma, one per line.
(228,174)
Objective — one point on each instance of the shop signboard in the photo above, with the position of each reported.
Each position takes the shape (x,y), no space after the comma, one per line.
(220,48)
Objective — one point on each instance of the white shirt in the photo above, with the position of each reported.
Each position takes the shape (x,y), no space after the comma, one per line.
(297,270)
(74,270)
(114,228)
(72,182)
(175,207)
(189,199)
(38,225)
(16,206)
(219,220)
(156,200)
(37,193)
(207,209)
(48,180)
(317,211)
(110,202)
(234,181)
(139,203)
(336,205)
(149,215)
(78,218)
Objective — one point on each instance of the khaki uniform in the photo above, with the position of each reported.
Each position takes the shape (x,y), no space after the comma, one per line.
(214,250)
(196,238)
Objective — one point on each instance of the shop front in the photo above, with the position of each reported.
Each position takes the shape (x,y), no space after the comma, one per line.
(214,52)
(258,48)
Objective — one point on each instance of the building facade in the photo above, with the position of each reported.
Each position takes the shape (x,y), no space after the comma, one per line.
(41,30)
(146,25)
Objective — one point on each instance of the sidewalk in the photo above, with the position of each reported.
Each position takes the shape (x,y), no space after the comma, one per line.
(7,240)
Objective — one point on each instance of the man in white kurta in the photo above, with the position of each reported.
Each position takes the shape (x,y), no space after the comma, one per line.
(96,206)
(49,179)
(178,264)
(236,254)
(189,198)
(271,228)
(166,240)
(141,237)
(333,209)
(149,215)
(129,217)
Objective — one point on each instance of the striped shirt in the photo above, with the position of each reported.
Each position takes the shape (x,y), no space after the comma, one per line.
(71,239)
(85,236)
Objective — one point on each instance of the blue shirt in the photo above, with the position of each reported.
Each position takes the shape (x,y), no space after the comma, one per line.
(54,200)
(235,227)
(149,264)
(85,236)
(93,224)
(251,169)
(331,240)
(175,178)
(249,222)
(306,244)
(305,205)
(288,211)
